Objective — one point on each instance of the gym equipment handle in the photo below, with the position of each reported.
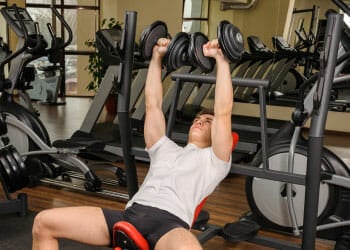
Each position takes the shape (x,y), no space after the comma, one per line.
(19,51)
(238,81)
(65,25)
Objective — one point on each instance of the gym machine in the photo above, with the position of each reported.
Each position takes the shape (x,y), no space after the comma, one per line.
(289,152)
(27,137)
(285,79)
(4,50)
(22,73)
(288,91)
(102,140)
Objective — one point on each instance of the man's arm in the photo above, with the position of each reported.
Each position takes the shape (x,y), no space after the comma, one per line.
(154,127)
(223,103)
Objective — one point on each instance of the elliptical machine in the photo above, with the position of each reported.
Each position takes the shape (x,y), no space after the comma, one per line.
(46,89)
(21,74)
(279,206)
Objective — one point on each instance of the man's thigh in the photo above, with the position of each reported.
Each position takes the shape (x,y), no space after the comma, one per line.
(84,224)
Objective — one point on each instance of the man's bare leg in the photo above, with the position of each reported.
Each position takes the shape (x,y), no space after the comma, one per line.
(83,224)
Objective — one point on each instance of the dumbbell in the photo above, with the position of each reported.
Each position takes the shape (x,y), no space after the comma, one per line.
(187,49)
(182,49)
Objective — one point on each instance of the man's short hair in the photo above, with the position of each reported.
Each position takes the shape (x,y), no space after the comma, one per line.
(206,111)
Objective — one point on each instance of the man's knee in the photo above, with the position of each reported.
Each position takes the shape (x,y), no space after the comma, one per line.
(40,225)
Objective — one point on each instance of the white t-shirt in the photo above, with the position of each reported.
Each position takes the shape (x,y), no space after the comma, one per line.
(179,178)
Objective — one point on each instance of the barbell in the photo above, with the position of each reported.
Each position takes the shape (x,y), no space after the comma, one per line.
(187,49)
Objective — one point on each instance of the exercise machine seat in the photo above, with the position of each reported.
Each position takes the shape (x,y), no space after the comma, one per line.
(235,139)
(126,236)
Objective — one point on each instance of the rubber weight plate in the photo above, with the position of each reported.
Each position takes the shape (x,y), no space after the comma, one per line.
(16,172)
(195,53)
(177,52)
(24,180)
(150,36)
(6,172)
(230,40)
(3,125)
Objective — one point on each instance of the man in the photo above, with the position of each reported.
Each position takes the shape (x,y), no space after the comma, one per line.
(179,178)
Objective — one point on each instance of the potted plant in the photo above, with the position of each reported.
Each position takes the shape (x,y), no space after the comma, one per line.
(97,69)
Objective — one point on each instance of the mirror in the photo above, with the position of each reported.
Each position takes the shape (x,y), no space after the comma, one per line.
(195,16)
(192,26)
(195,9)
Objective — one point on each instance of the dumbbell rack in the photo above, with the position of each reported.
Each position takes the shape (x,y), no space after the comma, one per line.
(311,180)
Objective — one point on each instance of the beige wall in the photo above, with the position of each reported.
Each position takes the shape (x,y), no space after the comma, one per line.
(147,12)
(83,34)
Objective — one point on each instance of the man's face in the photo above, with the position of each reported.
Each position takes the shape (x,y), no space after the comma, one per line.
(201,129)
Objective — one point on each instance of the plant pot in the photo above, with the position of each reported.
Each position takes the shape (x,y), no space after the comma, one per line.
(111,107)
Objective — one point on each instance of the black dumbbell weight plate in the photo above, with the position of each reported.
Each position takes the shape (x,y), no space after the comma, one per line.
(176,55)
(195,53)
(3,125)
(24,181)
(6,172)
(16,171)
(19,160)
(230,40)
(150,36)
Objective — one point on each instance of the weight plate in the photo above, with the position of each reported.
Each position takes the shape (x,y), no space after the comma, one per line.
(150,36)
(19,160)
(230,40)
(6,172)
(3,125)
(22,167)
(176,55)
(195,53)
(3,171)
(16,172)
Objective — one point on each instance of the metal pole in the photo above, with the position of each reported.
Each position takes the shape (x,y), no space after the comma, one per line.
(318,122)
(127,54)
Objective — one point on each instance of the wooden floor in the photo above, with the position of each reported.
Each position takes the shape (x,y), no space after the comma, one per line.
(227,203)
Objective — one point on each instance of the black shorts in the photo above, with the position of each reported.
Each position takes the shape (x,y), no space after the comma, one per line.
(151,222)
